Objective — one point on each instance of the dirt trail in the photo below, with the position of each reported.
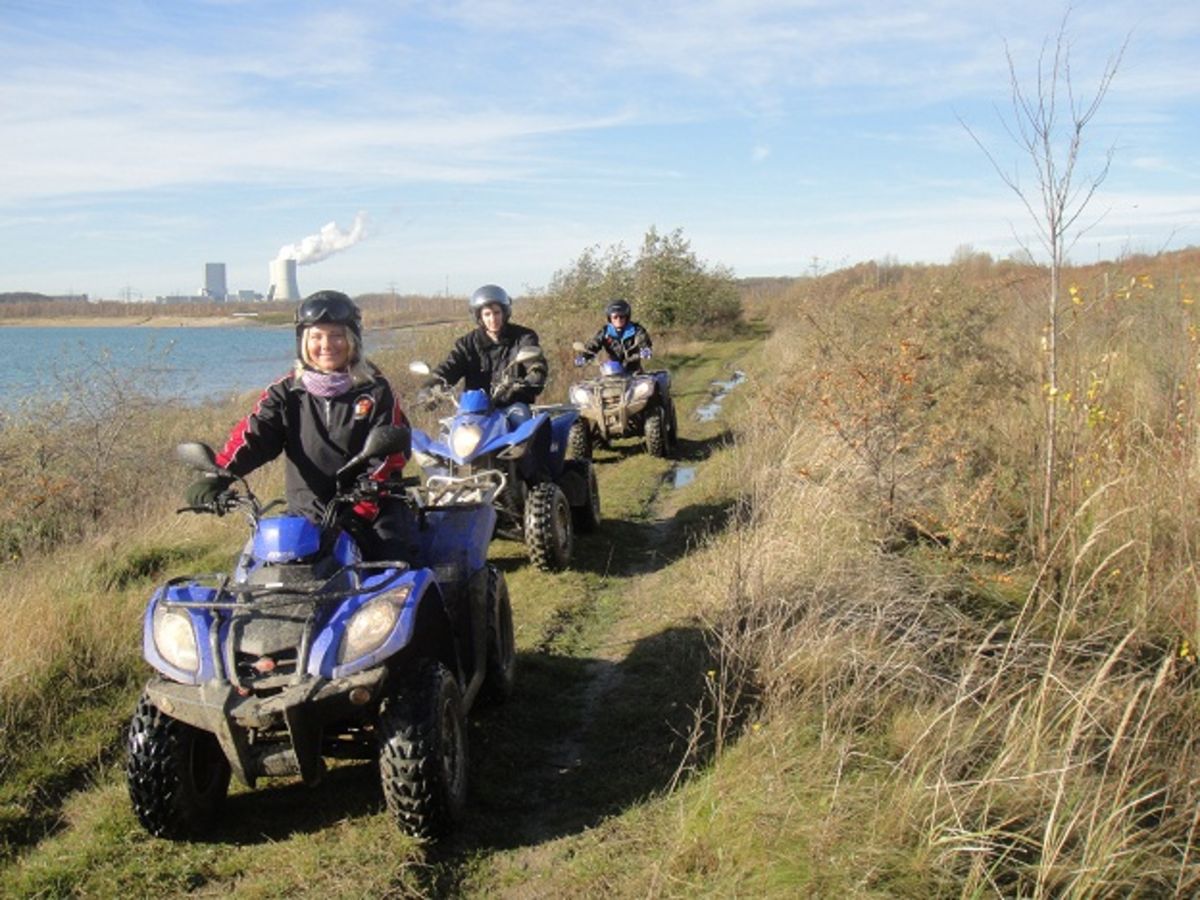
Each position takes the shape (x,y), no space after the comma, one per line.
(624,707)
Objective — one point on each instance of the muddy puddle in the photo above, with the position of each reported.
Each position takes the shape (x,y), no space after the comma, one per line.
(710,410)
(681,476)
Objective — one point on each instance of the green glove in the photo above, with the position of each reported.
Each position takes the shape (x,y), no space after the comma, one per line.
(204,491)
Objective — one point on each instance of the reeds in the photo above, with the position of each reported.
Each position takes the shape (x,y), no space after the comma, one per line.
(991,723)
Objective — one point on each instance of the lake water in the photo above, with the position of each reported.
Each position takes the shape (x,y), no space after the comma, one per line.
(192,364)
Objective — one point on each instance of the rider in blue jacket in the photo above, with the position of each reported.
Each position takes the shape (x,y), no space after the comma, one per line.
(625,341)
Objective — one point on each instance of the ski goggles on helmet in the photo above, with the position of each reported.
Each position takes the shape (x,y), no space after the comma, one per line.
(328,308)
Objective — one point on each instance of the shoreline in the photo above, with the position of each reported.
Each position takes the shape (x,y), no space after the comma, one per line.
(185,322)
(157,321)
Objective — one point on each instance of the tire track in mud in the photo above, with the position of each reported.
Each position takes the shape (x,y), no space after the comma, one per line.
(581,775)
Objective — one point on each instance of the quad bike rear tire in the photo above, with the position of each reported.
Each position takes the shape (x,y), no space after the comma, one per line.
(579,441)
(549,535)
(500,674)
(587,516)
(656,432)
(423,752)
(178,776)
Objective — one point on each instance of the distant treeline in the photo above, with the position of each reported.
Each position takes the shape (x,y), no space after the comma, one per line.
(380,310)
(34,297)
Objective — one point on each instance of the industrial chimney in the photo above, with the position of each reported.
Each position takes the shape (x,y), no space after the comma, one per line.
(283,280)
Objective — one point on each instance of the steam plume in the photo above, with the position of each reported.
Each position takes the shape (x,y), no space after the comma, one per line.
(329,240)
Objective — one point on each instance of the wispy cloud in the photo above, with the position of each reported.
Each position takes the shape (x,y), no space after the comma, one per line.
(560,122)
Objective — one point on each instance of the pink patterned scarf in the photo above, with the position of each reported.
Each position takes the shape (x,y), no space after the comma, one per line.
(326,384)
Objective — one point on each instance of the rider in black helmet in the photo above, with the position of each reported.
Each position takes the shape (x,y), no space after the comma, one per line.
(622,339)
(481,357)
(318,416)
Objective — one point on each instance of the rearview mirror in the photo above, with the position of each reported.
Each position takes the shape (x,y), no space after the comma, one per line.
(383,441)
(528,354)
(197,456)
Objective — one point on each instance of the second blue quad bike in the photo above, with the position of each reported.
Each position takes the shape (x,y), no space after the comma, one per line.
(546,496)
(305,652)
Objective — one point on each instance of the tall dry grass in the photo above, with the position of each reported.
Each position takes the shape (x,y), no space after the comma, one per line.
(986,725)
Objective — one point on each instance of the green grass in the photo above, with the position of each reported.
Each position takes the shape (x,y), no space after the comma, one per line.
(826,667)
(607,673)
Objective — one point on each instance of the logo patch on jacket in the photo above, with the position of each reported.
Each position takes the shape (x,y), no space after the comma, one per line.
(363,407)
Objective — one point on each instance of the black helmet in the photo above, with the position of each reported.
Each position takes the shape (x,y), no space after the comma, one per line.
(327,308)
(618,308)
(490,295)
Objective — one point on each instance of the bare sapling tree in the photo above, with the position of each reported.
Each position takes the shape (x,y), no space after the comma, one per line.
(1047,124)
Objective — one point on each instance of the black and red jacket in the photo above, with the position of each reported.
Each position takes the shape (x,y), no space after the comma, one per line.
(317,436)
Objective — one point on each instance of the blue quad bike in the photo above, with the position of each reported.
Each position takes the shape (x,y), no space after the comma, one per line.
(305,653)
(546,496)
(620,403)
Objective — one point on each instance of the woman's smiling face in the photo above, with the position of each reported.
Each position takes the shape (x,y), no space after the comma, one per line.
(327,346)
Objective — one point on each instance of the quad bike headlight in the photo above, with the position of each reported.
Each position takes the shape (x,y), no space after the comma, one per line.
(175,638)
(580,395)
(371,624)
(464,439)
(643,388)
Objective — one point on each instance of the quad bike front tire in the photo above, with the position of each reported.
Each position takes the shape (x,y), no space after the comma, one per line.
(500,674)
(549,535)
(579,440)
(656,432)
(423,752)
(178,776)
(587,516)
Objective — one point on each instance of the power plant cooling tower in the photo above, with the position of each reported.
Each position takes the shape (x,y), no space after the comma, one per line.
(283,280)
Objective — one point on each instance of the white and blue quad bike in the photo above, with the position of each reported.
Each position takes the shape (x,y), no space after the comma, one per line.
(620,403)
(305,653)
(547,496)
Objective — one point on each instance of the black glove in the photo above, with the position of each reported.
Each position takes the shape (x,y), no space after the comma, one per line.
(204,491)
(429,393)
(504,395)
(426,399)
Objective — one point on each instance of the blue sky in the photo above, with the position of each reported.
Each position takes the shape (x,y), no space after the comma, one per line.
(494,141)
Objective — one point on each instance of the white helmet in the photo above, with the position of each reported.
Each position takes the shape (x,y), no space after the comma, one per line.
(490,295)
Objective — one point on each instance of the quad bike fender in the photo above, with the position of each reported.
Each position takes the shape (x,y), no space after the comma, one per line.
(203,627)
(560,430)
(521,434)
(423,443)
(405,595)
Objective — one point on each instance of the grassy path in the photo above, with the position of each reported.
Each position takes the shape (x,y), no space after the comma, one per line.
(610,669)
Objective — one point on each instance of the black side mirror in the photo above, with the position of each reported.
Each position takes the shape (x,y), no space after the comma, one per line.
(198,456)
(383,441)
(527,355)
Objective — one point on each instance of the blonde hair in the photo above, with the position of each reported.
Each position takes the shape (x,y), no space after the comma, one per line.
(362,371)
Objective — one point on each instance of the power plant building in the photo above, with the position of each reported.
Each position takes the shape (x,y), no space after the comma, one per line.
(215,287)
